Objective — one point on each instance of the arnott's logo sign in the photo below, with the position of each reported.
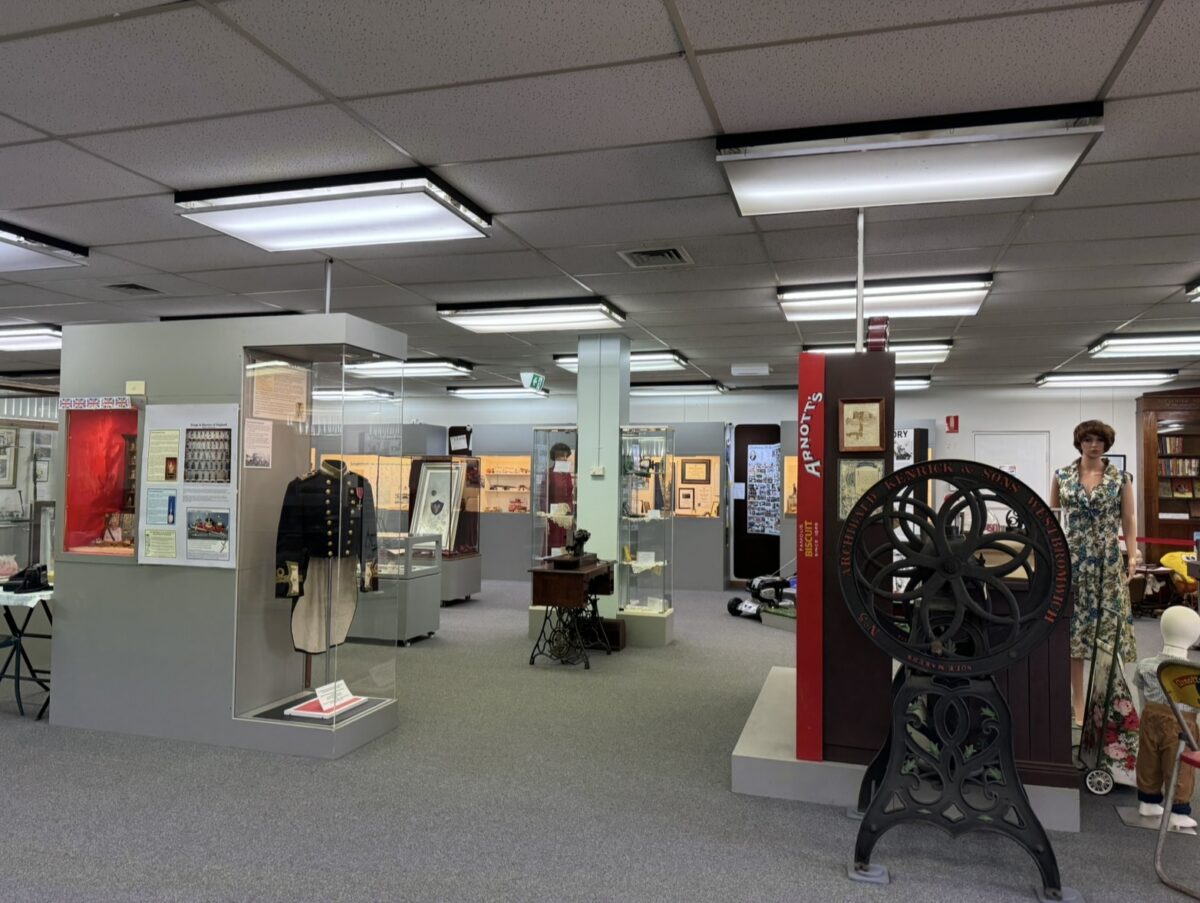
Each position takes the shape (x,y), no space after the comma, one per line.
(810,457)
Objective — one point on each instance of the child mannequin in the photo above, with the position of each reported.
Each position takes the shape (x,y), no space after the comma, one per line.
(1159,733)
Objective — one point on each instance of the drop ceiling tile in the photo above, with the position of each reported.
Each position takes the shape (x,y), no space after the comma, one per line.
(95,288)
(710,24)
(1170,249)
(940,211)
(888,266)
(1128,182)
(194,254)
(288,278)
(1127,221)
(892,237)
(99,265)
(1075,302)
(110,222)
(635,104)
(686,301)
(348,299)
(1094,277)
(716,334)
(32,296)
(682,169)
(64,314)
(1056,57)
(1170,317)
(815,220)
(800,272)
(1149,127)
(13,132)
(138,71)
(807,244)
(50,172)
(258,147)
(629,223)
(705,252)
(213,305)
(19,17)
(502,290)
(723,315)
(1165,57)
(459,268)
(362,46)
(701,279)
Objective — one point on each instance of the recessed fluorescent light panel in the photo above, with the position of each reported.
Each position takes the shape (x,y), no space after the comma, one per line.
(965,157)
(939,296)
(423,368)
(379,208)
(24,249)
(496,392)
(553,315)
(34,337)
(1192,291)
(1132,344)
(351,394)
(906,352)
(1103,380)
(700,387)
(639,361)
(911,383)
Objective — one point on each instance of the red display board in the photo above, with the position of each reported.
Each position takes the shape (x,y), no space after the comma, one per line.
(810,544)
(96,477)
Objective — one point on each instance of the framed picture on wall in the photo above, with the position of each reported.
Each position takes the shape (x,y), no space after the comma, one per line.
(1117,461)
(855,477)
(697,472)
(860,425)
(41,470)
(687,499)
(8,458)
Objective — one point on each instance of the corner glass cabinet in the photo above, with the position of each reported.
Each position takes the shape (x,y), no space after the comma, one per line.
(647,518)
(553,489)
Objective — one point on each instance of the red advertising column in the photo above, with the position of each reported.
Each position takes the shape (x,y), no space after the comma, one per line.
(810,546)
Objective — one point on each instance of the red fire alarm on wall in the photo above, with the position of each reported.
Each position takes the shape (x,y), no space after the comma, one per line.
(951,423)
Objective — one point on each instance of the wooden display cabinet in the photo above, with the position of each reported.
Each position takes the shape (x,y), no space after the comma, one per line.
(1169,494)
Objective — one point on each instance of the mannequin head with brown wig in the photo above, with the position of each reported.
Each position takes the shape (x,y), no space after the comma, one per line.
(1094,429)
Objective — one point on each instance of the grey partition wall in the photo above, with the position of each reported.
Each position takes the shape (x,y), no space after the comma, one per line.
(787,524)
(149,649)
(700,555)
(505,540)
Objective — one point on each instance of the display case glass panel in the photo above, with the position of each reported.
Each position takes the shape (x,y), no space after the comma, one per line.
(506,482)
(697,486)
(444,494)
(647,519)
(553,490)
(101,478)
(791,484)
(313,527)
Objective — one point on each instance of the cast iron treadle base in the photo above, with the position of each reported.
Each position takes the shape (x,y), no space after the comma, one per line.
(1067,895)
(869,874)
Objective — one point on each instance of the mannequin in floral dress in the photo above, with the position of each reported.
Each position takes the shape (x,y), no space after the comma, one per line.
(1098,506)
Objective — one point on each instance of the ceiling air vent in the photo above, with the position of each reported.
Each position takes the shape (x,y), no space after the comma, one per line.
(133,288)
(656,258)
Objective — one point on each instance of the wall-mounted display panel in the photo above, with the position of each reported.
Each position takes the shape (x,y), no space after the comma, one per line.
(445,500)
(101,482)
(698,486)
(506,483)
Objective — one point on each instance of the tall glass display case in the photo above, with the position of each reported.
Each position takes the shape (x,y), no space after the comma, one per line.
(647,519)
(444,501)
(312,511)
(553,489)
(101,479)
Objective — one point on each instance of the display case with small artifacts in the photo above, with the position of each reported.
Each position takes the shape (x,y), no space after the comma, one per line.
(100,516)
(647,498)
(506,482)
(414,563)
(553,487)
(697,486)
(445,493)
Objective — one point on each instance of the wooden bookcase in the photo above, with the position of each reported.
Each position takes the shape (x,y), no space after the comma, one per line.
(1169,495)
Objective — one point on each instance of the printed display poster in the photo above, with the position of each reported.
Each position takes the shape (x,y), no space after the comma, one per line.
(280,392)
(256,444)
(904,448)
(763,475)
(189,488)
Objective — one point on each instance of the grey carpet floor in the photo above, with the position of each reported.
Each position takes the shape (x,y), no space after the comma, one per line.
(504,783)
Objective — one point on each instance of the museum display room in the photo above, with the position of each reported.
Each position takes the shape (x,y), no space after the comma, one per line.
(409,440)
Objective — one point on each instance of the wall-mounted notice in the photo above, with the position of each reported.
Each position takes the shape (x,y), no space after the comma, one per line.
(189,485)
(280,392)
(256,444)
(763,476)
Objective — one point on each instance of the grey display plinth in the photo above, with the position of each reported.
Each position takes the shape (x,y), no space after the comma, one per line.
(462,577)
(153,650)
(420,611)
(505,538)
(650,629)
(764,763)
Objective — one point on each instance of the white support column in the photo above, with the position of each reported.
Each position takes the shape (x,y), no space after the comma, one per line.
(603,399)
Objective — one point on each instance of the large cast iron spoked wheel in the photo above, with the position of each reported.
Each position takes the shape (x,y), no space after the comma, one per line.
(964,588)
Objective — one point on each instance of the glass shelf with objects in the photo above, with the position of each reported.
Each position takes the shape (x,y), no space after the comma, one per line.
(100,517)
(506,482)
(647,519)
(697,486)
(444,492)
(315,511)
(553,486)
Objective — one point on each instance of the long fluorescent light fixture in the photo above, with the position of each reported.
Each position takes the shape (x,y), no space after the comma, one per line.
(911,383)
(423,368)
(906,352)
(698,387)
(1104,380)
(550,315)
(24,249)
(374,208)
(639,361)
(1147,344)
(35,337)
(485,392)
(934,296)
(351,394)
(1015,153)
(1192,290)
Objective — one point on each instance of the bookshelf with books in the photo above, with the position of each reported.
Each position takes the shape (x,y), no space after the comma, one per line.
(1169,495)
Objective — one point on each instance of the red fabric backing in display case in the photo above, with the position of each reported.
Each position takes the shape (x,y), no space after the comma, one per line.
(101,480)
